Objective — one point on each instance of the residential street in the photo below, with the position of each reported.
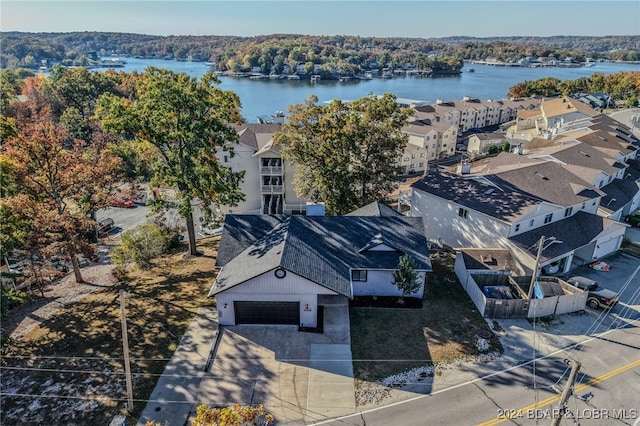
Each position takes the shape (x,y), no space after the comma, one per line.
(610,368)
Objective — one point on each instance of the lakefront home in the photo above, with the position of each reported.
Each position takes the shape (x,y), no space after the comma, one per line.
(278,269)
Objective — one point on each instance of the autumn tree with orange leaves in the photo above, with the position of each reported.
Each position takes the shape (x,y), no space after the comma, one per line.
(58,179)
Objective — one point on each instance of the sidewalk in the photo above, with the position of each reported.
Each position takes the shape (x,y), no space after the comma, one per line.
(175,393)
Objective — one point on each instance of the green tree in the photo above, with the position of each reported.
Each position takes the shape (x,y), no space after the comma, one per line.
(406,276)
(186,121)
(346,152)
(506,146)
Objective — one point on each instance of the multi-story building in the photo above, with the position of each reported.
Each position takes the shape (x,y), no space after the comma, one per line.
(268,179)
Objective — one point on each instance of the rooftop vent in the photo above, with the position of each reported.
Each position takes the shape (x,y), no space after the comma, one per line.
(601,138)
(584,153)
(541,176)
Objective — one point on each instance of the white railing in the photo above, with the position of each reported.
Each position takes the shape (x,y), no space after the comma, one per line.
(271,170)
(271,189)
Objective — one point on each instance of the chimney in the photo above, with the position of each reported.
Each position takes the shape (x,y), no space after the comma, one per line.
(315,208)
(464,169)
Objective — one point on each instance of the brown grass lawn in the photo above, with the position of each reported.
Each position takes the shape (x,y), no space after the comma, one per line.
(76,356)
(389,341)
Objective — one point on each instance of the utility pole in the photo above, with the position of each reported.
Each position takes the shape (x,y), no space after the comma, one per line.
(125,347)
(535,268)
(568,390)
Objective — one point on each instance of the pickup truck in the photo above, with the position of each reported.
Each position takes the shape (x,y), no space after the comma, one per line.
(598,297)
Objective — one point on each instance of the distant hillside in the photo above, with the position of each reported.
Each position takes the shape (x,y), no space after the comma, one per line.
(347,54)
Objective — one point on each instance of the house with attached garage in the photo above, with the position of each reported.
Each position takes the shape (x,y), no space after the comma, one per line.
(511,201)
(278,269)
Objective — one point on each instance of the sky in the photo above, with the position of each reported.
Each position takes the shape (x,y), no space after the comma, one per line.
(371,18)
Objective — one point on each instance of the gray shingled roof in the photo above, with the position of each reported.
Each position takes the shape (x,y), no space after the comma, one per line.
(252,134)
(549,181)
(504,203)
(619,192)
(575,231)
(374,209)
(321,249)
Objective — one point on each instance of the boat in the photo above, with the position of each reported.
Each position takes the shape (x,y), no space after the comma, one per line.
(470,70)
(294,77)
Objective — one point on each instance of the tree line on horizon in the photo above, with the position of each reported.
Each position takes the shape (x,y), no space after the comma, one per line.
(346,54)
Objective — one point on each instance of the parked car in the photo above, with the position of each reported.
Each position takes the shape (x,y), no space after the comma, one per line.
(551,268)
(105,224)
(206,230)
(598,297)
(122,202)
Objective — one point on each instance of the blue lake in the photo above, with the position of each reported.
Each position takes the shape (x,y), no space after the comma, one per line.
(265,97)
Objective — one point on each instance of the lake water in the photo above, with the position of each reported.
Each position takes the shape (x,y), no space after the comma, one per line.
(265,97)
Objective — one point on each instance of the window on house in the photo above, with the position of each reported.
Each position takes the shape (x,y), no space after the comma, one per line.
(421,164)
(567,212)
(427,138)
(413,156)
(531,222)
(548,218)
(610,177)
(359,275)
(517,228)
(463,212)
(422,155)
(446,136)
(226,158)
(584,205)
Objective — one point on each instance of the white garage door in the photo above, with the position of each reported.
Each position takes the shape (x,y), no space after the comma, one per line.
(607,247)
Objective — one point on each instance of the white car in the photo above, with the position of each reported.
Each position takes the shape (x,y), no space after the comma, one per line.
(205,230)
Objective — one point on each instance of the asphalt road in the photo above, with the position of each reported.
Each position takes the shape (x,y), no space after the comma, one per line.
(607,391)
(630,117)
(127,218)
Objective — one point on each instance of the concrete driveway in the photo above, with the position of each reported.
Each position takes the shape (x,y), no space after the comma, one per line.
(299,377)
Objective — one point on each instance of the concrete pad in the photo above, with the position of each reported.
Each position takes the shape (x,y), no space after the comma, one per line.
(174,396)
(331,390)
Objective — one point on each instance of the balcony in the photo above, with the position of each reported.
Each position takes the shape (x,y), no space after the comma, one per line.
(271,189)
(270,170)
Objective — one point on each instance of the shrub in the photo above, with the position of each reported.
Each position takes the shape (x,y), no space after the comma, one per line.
(140,245)
(232,416)
(10,298)
(493,149)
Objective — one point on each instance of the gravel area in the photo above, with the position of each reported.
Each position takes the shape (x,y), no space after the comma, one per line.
(60,293)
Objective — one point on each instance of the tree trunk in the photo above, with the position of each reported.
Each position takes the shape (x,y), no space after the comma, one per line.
(192,235)
(76,268)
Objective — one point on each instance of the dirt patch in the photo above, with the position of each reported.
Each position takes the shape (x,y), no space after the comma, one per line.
(66,365)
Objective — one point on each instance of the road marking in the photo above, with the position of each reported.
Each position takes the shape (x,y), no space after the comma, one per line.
(479,379)
(550,400)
